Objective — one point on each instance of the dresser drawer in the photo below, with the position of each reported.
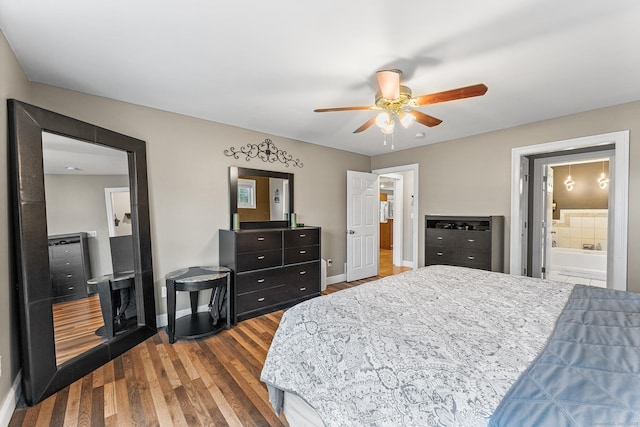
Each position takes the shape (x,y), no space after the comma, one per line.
(301,254)
(439,255)
(258,241)
(260,299)
(304,275)
(474,258)
(64,264)
(70,275)
(473,239)
(65,251)
(441,237)
(257,280)
(301,237)
(257,260)
(295,291)
(68,289)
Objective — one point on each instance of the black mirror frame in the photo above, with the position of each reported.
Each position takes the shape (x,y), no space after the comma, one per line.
(41,376)
(234,173)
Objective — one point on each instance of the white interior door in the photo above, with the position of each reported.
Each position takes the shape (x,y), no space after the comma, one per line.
(363,196)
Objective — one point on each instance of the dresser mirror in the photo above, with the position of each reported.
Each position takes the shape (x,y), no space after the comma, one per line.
(260,198)
(60,168)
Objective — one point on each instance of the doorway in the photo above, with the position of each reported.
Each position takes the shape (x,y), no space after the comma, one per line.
(401,184)
(570,217)
(618,203)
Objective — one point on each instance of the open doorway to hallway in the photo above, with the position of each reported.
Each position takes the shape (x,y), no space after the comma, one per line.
(398,219)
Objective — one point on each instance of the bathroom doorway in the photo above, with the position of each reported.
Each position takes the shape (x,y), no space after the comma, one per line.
(571,217)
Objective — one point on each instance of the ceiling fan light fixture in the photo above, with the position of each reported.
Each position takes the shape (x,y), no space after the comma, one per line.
(405,118)
(385,122)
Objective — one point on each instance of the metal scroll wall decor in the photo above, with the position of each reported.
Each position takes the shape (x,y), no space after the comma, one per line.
(265,151)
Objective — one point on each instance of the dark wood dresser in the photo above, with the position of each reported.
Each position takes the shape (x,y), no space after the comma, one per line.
(273,268)
(69,266)
(466,241)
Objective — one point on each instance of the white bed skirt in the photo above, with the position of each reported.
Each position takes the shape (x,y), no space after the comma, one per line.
(299,413)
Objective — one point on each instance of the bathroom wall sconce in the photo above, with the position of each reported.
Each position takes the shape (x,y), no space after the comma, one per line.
(603,180)
(554,206)
(569,183)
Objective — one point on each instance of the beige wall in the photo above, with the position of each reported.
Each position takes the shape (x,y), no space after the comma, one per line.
(472,176)
(13,84)
(188,178)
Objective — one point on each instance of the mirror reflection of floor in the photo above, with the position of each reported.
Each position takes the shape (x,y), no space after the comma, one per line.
(74,327)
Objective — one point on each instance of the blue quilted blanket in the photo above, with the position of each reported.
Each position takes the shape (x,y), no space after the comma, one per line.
(589,372)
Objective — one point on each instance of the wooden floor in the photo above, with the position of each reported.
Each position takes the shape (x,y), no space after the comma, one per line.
(208,382)
(74,327)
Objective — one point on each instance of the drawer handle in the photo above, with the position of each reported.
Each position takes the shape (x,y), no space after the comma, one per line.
(303,289)
(303,252)
(260,299)
(439,237)
(67,263)
(439,253)
(471,257)
(260,239)
(260,280)
(69,276)
(70,288)
(261,257)
(471,240)
(302,236)
(303,272)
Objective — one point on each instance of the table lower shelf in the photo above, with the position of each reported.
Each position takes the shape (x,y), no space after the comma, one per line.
(198,325)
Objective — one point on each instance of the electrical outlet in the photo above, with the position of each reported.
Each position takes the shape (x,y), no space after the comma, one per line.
(163,292)
(329,262)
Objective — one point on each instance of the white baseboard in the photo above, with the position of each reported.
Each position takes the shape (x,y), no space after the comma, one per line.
(406,263)
(336,279)
(11,400)
(162,320)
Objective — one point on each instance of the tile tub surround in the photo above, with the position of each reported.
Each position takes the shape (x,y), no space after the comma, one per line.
(577,227)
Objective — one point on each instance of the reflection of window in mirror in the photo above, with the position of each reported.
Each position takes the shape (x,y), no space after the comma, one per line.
(246,194)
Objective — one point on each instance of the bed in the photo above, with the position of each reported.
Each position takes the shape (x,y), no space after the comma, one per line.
(446,345)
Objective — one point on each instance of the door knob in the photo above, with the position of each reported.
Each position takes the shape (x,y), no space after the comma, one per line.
(351,232)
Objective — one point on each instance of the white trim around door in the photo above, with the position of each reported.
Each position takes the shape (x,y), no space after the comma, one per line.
(619,217)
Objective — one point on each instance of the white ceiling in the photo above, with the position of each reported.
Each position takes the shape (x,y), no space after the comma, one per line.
(266,65)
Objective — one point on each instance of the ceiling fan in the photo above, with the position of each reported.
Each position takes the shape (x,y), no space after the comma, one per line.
(397,103)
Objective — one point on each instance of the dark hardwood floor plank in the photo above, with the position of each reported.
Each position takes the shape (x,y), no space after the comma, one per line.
(86,401)
(97,406)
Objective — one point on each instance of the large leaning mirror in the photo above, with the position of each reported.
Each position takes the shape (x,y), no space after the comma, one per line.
(260,198)
(85,293)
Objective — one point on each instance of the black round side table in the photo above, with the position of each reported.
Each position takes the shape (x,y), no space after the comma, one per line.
(192,280)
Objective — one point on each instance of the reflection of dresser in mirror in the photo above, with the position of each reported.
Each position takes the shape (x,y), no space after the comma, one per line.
(69,265)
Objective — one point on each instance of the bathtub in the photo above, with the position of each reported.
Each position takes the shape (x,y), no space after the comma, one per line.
(591,264)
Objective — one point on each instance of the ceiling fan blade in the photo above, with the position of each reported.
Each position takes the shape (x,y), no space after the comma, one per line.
(360,107)
(425,119)
(366,125)
(389,83)
(450,95)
